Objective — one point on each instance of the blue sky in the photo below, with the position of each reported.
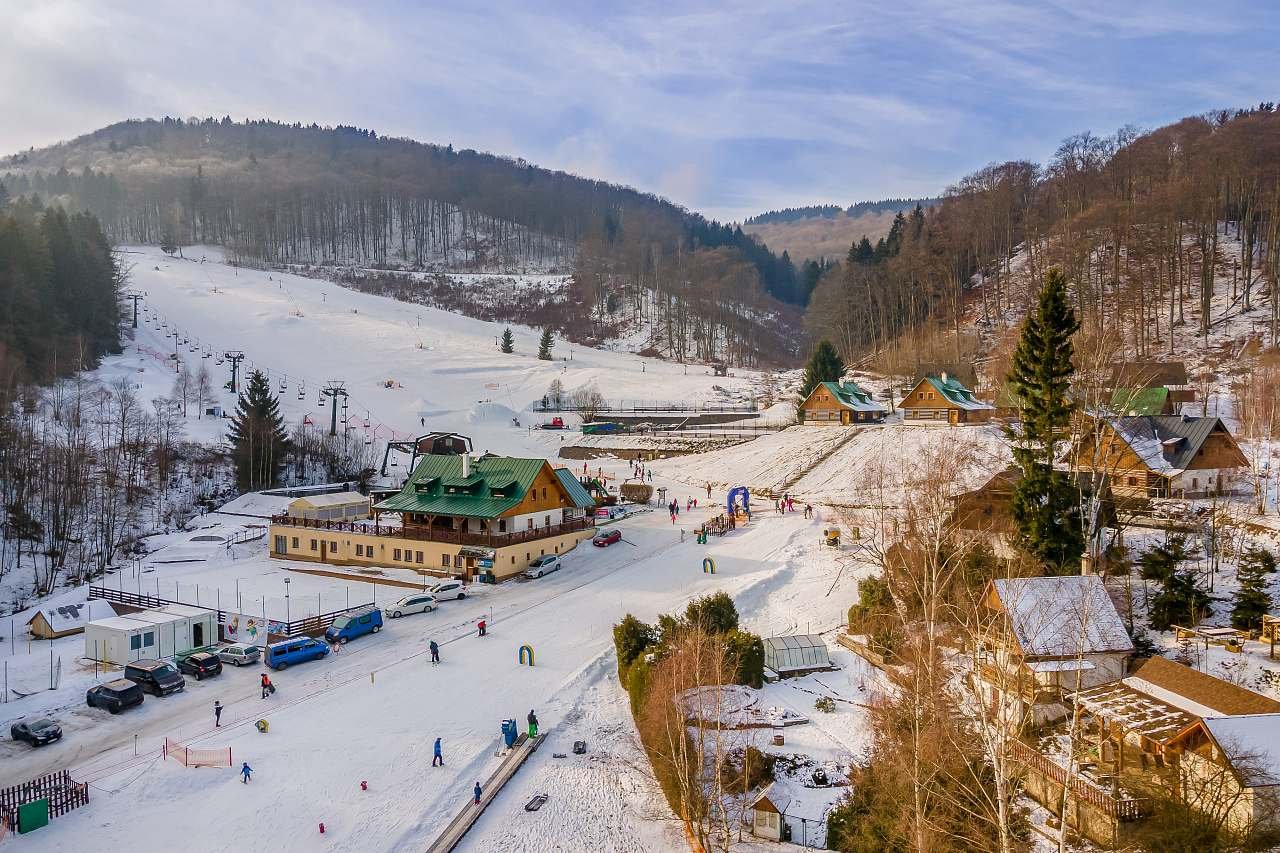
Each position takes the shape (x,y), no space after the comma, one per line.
(728,109)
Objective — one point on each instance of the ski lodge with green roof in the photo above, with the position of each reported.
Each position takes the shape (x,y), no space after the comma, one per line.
(841,403)
(456,516)
(943,398)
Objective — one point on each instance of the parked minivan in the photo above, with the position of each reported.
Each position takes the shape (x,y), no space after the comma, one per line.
(157,677)
(355,624)
(449,589)
(285,653)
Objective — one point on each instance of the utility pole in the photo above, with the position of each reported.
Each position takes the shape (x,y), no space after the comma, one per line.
(333,389)
(235,357)
(135,295)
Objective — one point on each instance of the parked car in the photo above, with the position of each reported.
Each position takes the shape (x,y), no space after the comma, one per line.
(38,732)
(285,653)
(239,654)
(202,665)
(542,566)
(158,677)
(421,602)
(606,537)
(348,626)
(115,696)
(449,589)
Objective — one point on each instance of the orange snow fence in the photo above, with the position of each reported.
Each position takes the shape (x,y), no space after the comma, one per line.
(189,757)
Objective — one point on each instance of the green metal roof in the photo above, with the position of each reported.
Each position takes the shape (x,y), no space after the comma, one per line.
(952,390)
(580,496)
(427,490)
(1139,401)
(851,396)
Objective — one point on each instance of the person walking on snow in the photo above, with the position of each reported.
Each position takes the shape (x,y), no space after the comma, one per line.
(476,791)
(217,714)
(267,687)
(246,773)
(708,491)
(481,626)
(533,724)
(435,653)
(437,757)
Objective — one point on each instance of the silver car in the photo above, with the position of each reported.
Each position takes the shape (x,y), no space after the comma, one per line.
(239,654)
(420,602)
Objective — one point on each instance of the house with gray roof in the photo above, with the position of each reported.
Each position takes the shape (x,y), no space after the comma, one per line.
(1163,456)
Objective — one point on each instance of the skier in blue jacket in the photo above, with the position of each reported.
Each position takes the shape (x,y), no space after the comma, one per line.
(247,772)
(437,757)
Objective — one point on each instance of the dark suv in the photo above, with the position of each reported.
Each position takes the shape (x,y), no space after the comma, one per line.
(201,665)
(115,696)
(158,677)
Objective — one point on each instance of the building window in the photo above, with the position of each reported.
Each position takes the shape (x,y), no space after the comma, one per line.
(149,639)
(546,521)
(333,546)
(135,642)
(417,557)
(529,521)
(282,544)
(502,525)
(314,545)
(444,560)
(396,555)
(1133,481)
(295,542)
(457,561)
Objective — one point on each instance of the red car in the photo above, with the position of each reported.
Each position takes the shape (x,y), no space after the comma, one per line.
(606,537)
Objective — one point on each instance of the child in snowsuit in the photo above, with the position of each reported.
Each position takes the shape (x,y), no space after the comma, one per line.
(435,652)
(477,793)
(481,626)
(533,724)
(246,773)
(437,757)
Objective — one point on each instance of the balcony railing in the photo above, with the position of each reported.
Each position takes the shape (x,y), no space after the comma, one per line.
(1116,808)
(435,534)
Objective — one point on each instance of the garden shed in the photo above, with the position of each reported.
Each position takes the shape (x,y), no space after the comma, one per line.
(796,654)
(157,633)
(64,620)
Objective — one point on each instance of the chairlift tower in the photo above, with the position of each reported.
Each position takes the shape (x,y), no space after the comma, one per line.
(135,295)
(234,356)
(333,389)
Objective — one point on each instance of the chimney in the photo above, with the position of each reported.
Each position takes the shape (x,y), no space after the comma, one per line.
(944,377)
(466,464)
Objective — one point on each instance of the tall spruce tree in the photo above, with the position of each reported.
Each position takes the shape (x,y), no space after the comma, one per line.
(1252,601)
(257,434)
(545,344)
(508,341)
(1045,504)
(824,365)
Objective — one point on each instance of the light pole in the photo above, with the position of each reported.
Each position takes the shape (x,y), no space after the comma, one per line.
(287,615)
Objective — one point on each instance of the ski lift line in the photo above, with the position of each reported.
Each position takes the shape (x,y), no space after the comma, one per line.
(395,435)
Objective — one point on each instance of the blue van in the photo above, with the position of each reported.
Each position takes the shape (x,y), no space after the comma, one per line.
(294,650)
(357,623)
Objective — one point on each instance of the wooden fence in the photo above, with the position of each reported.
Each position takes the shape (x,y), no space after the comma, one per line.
(62,792)
(1116,808)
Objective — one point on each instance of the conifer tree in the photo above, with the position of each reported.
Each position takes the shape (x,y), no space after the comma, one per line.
(1252,601)
(508,341)
(257,434)
(545,344)
(824,366)
(1045,505)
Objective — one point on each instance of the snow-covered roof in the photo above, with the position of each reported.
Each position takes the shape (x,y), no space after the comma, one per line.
(1166,444)
(1062,616)
(1251,743)
(332,499)
(68,617)
(779,795)
(1125,704)
(1072,665)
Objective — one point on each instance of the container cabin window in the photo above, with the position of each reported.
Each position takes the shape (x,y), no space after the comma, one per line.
(149,639)
(135,642)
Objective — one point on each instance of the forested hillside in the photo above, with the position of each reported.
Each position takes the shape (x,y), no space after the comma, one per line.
(59,291)
(1153,230)
(294,194)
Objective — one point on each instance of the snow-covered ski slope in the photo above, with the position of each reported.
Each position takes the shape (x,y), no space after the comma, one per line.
(445,371)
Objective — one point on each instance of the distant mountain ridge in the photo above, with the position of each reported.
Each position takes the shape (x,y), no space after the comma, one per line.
(831,211)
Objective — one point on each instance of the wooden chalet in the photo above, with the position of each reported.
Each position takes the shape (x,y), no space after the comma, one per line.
(1230,767)
(943,398)
(1176,456)
(1129,377)
(988,509)
(1147,723)
(454,516)
(1057,635)
(841,403)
